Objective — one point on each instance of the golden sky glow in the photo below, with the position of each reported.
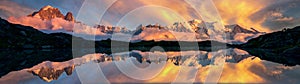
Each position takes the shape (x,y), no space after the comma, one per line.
(239,12)
(231,12)
(247,13)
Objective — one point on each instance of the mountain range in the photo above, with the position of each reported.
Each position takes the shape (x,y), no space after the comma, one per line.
(19,36)
(178,31)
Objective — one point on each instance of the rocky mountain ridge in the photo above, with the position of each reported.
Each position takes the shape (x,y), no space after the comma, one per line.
(48,12)
(199,27)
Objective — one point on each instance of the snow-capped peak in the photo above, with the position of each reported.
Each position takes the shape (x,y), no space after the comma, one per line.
(235,28)
(231,26)
(47,7)
(196,21)
(48,13)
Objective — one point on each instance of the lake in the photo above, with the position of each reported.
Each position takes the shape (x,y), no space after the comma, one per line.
(223,66)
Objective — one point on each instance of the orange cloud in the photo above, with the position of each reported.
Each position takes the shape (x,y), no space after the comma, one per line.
(164,10)
(231,12)
(54,24)
(180,6)
(239,12)
(278,16)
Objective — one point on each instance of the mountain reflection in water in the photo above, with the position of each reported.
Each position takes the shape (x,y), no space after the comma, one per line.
(239,67)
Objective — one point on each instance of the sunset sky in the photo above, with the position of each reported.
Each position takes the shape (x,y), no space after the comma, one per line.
(264,15)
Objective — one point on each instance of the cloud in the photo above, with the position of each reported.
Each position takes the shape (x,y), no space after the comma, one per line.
(122,7)
(8,8)
(264,15)
(284,19)
(247,13)
(56,24)
(278,16)
(240,12)
(150,15)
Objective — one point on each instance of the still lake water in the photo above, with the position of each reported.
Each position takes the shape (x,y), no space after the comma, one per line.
(223,66)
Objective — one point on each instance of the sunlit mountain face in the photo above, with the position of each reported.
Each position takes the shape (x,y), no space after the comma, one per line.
(157,41)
